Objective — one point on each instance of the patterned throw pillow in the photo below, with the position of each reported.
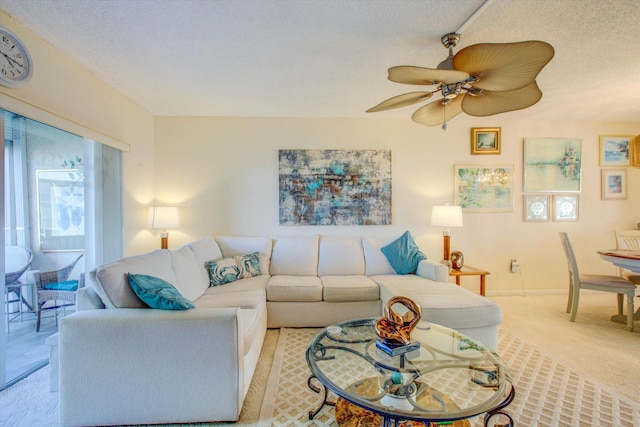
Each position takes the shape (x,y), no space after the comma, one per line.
(227,270)
(158,293)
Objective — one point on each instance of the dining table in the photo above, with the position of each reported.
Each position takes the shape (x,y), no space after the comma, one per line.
(627,259)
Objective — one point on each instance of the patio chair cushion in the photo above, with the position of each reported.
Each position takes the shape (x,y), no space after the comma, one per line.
(68,285)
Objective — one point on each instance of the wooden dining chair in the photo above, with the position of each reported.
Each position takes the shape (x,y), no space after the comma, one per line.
(628,239)
(597,282)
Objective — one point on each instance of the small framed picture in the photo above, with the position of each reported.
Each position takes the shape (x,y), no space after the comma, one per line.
(614,150)
(536,208)
(614,184)
(565,208)
(485,140)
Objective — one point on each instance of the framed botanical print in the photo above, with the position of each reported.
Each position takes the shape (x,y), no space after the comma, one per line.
(485,140)
(614,184)
(536,207)
(614,150)
(552,165)
(565,208)
(484,188)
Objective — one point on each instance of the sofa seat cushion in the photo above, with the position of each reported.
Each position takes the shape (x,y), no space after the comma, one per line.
(294,288)
(248,284)
(349,288)
(253,298)
(446,304)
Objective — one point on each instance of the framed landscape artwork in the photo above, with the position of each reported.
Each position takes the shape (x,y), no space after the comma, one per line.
(485,140)
(335,187)
(536,207)
(552,165)
(614,184)
(565,208)
(484,188)
(614,150)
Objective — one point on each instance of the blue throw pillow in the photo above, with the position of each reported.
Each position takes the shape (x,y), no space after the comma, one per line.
(158,293)
(403,254)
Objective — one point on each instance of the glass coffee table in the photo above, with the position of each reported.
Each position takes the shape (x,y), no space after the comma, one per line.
(446,380)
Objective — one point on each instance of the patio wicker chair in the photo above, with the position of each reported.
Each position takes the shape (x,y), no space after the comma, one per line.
(17,261)
(54,286)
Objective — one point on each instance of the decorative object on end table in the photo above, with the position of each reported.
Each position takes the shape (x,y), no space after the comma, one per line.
(457,260)
(394,329)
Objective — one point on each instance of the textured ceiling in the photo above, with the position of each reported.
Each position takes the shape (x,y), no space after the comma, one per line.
(328,58)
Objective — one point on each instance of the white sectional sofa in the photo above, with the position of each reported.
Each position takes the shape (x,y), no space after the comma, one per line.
(121,362)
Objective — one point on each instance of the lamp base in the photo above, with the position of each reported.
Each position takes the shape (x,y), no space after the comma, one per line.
(164,240)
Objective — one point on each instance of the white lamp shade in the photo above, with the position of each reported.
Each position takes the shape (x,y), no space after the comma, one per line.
(446,216)
(163,217)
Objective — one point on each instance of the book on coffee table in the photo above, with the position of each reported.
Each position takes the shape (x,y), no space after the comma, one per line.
(396,349)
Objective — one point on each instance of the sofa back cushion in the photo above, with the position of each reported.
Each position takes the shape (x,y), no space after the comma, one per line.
(188,271)
(205,250)
(243,245)
(111,279)
(375,261)
(340,256)
(295,256)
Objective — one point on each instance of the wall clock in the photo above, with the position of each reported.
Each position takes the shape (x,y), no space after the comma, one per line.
(15,63)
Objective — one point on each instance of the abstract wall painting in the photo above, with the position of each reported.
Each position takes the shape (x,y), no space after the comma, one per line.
(483,188)
(552,164)
(335,187)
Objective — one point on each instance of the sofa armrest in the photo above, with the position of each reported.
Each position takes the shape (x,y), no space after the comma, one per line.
(145,366)
(433,270)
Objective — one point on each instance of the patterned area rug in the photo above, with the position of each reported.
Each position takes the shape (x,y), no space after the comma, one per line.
(547,393)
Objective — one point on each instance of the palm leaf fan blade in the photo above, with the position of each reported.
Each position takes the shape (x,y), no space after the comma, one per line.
(400,101)
(411,75)
(504,66)
(490,103)
(435,113)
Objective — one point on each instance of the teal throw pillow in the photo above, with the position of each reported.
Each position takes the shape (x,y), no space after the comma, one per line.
(158,293)
(227,270)
(403,254)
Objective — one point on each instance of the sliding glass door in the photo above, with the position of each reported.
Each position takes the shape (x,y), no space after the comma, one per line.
(61,192)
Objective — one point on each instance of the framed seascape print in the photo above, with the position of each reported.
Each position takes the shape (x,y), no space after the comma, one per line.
(536,207)
(565,208)
(485,140)
(552,165)
(334,187)
(60,196)
(614,184)
(484,188)
(615,149)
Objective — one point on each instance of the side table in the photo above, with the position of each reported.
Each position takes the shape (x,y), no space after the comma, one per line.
(470,271)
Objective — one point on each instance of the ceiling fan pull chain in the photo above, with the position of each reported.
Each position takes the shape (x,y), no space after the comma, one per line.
(444,113)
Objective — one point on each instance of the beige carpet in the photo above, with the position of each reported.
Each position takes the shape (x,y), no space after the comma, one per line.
(548,393)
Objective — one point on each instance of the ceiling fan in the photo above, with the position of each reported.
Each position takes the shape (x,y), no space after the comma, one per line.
(481,80)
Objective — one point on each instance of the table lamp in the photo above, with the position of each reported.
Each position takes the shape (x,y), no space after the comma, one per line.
(446,216)
(163,217)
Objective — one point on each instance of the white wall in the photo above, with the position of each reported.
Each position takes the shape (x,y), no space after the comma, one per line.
(223,173)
